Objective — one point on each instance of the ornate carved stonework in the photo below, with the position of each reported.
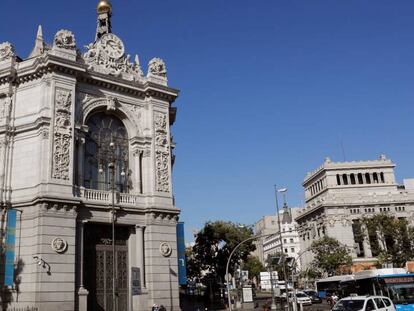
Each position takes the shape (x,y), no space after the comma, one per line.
(107,56)
(163,182)
(162,153)
(156,67)
(165,249)
(135,113)
(65,39)
(5,107)
(6,51)
(62,134)
(59,245)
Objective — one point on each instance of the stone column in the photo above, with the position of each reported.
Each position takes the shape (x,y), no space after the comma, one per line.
(82,291)
(148,171)
(364,179)
(365,242)
(137,182)
(140,253)
(2,166)
(81,151)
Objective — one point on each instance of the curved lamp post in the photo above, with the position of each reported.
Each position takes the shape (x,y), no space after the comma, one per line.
(231,255)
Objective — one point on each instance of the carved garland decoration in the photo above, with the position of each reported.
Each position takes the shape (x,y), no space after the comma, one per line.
(162,153)
(62,135)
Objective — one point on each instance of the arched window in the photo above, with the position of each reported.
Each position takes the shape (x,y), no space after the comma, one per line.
(360,181)
(338,180)
(352,177)
(382,177)
(345,179)
(367,178)
(106,153)
(375,178)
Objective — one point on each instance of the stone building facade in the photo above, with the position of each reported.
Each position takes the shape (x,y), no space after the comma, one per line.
(271,245)
(86,160)
(339,194)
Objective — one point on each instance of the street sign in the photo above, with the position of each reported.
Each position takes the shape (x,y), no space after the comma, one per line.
(135,281)
(247,294)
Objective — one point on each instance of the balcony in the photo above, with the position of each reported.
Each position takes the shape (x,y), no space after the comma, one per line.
(105,197)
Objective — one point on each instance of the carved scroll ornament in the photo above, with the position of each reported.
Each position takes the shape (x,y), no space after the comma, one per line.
(62,135)
(6,51)
(157,67)
(65,39)
(162,153)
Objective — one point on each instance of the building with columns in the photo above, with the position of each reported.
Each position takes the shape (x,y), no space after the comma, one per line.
(339,194)
(86,153)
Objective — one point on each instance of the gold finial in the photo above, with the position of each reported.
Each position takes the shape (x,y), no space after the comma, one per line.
(104,6)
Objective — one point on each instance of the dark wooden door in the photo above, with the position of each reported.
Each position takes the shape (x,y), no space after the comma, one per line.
(99,269)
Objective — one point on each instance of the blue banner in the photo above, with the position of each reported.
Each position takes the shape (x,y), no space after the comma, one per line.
(182,266)
(10,243)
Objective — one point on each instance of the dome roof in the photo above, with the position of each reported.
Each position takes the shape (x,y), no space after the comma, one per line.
(104,6)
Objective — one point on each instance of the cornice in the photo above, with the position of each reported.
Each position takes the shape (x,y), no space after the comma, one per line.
(37,124)
(36,68)
(352,165)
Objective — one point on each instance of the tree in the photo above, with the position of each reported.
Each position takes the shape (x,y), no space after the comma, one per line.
(192,265)
(330,255)
(254,266)
(391,239)
(213,245)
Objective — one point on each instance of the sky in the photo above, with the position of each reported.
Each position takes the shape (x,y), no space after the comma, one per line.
(269,88)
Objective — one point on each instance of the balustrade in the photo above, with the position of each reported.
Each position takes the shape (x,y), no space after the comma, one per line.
(106,196)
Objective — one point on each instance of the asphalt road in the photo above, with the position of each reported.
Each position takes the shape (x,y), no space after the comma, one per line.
(324,306)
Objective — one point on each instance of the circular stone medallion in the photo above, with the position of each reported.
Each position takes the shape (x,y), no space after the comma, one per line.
(59,245)
(165,249)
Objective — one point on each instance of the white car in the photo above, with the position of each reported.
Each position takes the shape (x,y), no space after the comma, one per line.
(301,298)
(364,303)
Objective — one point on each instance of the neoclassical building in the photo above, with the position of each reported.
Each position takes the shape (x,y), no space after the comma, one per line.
(88,218)
(339,194)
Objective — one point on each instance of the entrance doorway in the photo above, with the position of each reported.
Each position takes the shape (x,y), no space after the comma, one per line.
(98,265)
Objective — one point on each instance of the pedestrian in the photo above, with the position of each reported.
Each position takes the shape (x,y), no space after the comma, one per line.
(162,308)
(154,307)
(334,299)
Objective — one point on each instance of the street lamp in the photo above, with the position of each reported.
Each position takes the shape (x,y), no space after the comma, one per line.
(231,255)
(283,190)
(112,160)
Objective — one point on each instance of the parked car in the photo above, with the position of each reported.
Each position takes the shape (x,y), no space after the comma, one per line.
(301,298)
(313,295)
(364,303)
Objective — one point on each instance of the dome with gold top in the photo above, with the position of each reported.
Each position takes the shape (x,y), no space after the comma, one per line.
(104,6)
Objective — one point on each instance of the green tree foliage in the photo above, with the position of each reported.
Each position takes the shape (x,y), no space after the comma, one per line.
(330,255)
(213,245)
(391,239)
(254,266)
(193,266)
(310,273)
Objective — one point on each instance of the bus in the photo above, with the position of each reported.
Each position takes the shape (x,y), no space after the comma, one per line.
(326,287)
(394,283)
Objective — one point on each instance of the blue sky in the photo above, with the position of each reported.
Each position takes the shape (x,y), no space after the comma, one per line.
(269,88)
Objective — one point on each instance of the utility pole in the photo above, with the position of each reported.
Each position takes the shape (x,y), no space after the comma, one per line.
(285,275)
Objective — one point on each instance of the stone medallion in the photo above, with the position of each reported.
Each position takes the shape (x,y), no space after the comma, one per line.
(165,249)
(59,245)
